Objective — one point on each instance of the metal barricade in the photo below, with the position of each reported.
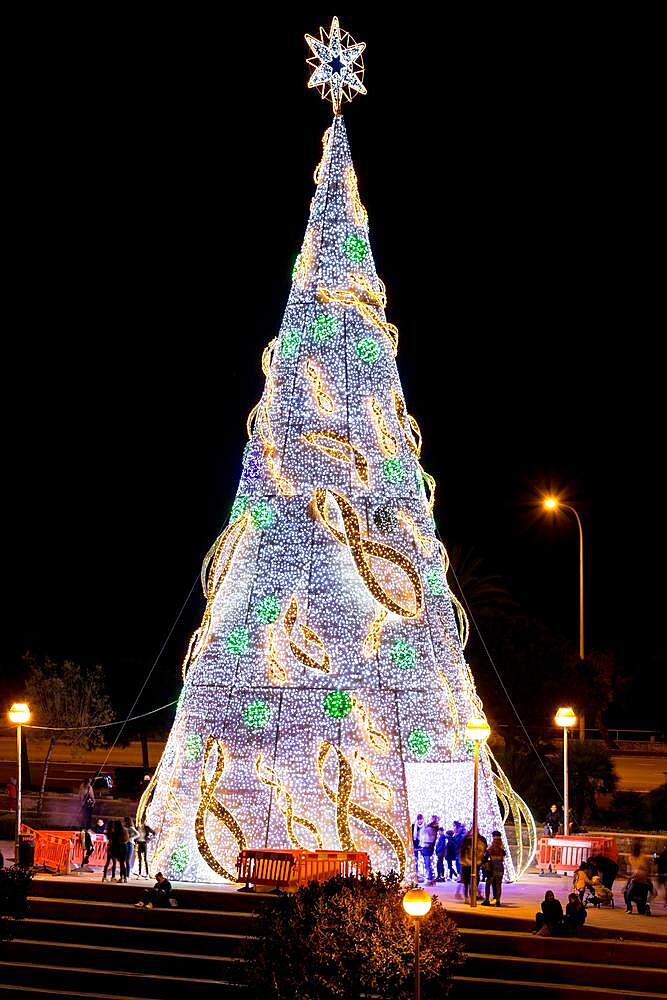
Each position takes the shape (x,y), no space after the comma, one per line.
(97,858)
(564,855)
(277,869)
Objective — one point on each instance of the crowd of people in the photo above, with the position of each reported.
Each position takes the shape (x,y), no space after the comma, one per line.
(454,848)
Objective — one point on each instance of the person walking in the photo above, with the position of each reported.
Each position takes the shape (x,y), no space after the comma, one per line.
(495,859)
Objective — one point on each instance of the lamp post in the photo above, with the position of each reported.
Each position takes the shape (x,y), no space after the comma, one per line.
(478,731)
(19,714)
(417,903)
(565,718)
(553,503)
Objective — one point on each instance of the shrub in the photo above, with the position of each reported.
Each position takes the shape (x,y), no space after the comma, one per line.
(348,938)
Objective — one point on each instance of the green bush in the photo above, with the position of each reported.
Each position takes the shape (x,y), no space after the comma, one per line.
(349,938)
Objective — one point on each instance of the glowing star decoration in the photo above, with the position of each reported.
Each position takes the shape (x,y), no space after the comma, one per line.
(327,680)
(257,714)
(338,704)
(419,742)
(338,66)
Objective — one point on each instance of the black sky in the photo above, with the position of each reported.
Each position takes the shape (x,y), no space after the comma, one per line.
(160,183)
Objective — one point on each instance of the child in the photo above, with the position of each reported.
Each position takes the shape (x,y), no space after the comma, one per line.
(581,880)
(599,892)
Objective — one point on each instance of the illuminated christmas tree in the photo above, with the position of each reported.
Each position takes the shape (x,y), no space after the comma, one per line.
(326,691)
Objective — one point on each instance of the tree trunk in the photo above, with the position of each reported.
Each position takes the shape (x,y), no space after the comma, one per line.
(604,732)
(47,760)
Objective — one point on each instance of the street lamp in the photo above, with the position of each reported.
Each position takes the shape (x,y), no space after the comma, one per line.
(478,731)
(565,718)
(417,903)
(553,503)
(19,714)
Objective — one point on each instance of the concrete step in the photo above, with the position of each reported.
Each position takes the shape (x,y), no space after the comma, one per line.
(94,982)
(115,936)
(549,970)
(488,918)
(127,915)
(570,949)
(131,960)
(501,988)
(91,890)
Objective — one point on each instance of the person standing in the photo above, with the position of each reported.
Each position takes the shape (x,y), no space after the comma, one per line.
(145,833)
(111,857)
(466,861)
(11,795)
(87,799)
(495,856)
(554,820)
(450,855)
(440,851)
(427,839)
(661,867)
(132,833)
(416,834)
(88,846)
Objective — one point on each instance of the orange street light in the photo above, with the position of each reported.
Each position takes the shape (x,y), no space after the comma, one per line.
(478,731)
(417,903)
(19,714)
(565,718)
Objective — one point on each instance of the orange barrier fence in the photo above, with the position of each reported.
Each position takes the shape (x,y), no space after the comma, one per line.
(318,866)
(565,854)
(53,848)
(274,868)
(98,857)
(289,869)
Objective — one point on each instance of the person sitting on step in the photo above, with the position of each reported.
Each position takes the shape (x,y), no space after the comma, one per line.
(159,895)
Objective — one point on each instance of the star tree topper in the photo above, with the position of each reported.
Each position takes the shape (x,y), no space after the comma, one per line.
(338,65)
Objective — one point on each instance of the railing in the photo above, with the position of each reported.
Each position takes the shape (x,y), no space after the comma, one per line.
(289,869)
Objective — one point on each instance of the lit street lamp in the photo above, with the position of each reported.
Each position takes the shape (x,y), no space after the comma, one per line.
(417,903)
(19,714)
(478,731)
(553,503)
(565,718)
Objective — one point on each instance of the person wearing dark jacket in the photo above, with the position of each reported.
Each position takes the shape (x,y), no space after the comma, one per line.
(575,914)
(551,917)
(440,851)
(605,868)
(159,895)
(637,891)
(450,855)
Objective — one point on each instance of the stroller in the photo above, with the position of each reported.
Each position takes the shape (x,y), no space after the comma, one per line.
(598,895)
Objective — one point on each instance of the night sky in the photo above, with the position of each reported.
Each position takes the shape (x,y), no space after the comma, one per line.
(160,186)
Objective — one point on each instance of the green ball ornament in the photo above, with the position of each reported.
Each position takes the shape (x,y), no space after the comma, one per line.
(419,742)
(256,714)
(193,746)
(368,350)
(324,327)
(179,858)
(239,507)
(268,610)
(262,516)
(338,704)
(355,249)
(435,583)
(238,641)
(403,654)
(393,470)
(289,343)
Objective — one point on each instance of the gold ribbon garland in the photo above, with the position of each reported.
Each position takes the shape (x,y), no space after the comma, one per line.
(214,570)
(422,541)
(302,655)
(304,261)
(377,739)
(380,788)
(260,415)
(357,210)
(453,709)
(409,426)
(346,808)
(321,397)
(386,440)
(338,447)
(371,643)
(317,176)
(208,803)
(362,548)
(283,800)
(520,812)
(277,672)
(366,309)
